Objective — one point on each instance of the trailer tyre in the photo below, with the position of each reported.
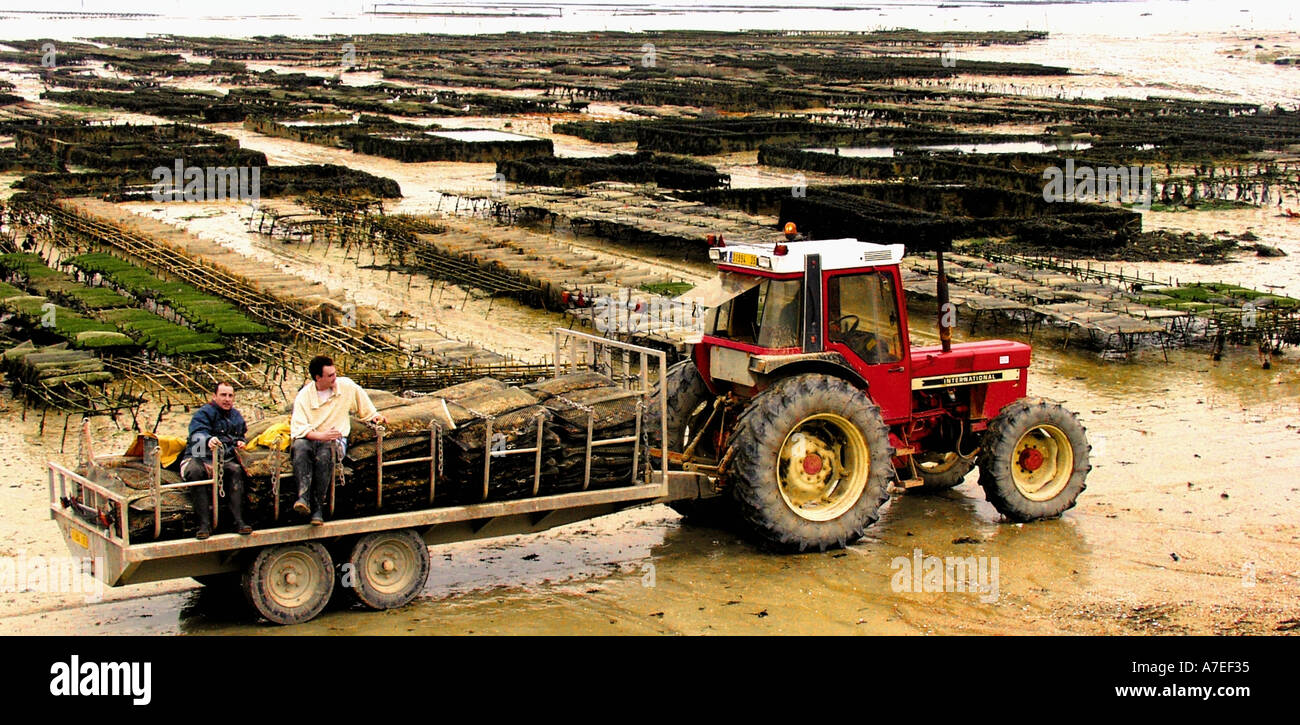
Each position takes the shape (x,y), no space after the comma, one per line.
(290,583)
(810,464)
(388,568)
(1034,460)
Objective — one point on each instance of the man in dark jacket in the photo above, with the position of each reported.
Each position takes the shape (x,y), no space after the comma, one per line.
(216,421)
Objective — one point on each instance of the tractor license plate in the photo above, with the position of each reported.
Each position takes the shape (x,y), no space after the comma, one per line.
(744,258)
(79,537)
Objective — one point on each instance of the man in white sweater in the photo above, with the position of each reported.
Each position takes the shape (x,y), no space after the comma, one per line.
(319,427)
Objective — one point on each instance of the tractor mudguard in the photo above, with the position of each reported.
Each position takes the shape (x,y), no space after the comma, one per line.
(770,368)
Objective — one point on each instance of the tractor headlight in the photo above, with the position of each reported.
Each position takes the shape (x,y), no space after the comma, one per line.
(715,254)
(765,262)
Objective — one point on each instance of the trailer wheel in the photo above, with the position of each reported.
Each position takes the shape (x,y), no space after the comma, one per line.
(811,464)
(1034,460)
(389,568)
(290,583)
(941,471)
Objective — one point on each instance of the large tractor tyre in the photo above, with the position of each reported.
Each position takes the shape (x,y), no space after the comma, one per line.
(689,402)
(940,471)
(1034,460)
(290,583)
(810,464)
(388,568)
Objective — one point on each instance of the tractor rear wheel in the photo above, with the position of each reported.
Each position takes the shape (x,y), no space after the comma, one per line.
(810,464)
(1034,460)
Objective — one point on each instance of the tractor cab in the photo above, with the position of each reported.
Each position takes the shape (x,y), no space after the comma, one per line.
(833,306)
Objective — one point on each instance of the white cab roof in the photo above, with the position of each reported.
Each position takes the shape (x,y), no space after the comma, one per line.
(835,254)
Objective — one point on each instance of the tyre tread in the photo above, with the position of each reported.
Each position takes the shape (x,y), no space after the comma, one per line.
(756,441)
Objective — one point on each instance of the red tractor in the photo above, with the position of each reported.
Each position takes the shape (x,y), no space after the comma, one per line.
(804,400)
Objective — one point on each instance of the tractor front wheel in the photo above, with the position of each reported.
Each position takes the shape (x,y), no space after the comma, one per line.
(1034,460)
(688,406)
(941,471)
(810,464)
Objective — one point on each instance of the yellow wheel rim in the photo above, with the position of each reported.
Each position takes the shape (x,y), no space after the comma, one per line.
(823,467)
(1042,463)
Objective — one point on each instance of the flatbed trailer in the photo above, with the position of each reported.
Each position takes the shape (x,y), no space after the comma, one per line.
(289,572)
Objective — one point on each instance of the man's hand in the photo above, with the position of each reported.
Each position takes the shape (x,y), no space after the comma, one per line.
(240,444)
(324,435)
(213,442)
(379,419)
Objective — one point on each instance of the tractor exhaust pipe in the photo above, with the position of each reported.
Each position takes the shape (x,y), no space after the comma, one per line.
(941,285)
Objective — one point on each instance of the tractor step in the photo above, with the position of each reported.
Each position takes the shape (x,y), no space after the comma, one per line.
(910,482)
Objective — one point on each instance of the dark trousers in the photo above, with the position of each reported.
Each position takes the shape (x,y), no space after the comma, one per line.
(313,467)
(232,478)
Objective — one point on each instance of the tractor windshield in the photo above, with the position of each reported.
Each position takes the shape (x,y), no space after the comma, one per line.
(767,314)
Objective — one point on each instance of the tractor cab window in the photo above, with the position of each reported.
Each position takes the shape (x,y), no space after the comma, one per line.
(862,313)
(768,314)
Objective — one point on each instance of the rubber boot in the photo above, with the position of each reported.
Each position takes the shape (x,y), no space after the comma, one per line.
(302,472)
(322,476)
(199,496)
(235,497)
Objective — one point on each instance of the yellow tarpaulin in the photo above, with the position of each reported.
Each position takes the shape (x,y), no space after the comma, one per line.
(275,438)
(169,447)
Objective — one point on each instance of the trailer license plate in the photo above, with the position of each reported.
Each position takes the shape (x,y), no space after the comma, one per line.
(79,537)
(744,258)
